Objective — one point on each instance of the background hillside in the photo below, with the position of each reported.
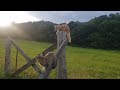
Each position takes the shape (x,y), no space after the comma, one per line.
(101,32)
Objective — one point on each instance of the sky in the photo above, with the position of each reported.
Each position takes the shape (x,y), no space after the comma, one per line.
(67,16)
(6,17)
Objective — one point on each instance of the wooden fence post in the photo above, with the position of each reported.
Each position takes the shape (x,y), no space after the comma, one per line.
(7,67)
(61,61)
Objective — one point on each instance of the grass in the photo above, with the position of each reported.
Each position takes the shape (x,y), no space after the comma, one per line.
(82,63)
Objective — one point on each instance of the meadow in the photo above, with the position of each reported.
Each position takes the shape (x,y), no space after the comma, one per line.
(82,63)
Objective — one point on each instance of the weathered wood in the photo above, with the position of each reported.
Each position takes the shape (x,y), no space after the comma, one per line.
(7,68)
(45,74)
(23,68)
(60,49)
(25,56)
(61,62)
(31,62)
(51,48)
(16,59)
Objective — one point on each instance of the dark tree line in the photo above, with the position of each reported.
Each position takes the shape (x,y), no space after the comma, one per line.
(101,32)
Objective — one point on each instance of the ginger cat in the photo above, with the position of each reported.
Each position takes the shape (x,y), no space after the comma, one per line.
(64,27)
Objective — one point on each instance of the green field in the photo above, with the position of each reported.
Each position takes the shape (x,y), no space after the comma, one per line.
(82,63)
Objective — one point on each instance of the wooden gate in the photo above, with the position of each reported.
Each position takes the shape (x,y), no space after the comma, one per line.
(60,55)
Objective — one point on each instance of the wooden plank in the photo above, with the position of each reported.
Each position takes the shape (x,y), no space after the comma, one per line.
(60,49)
(61,62)
(31,62)
(16,59)
(23,68)
(46,73)
(7,67)
(50,49)
(25,56)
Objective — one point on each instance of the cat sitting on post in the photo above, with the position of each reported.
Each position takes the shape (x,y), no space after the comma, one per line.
(63,27)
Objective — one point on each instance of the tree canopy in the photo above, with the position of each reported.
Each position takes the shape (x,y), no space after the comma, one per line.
(100,32)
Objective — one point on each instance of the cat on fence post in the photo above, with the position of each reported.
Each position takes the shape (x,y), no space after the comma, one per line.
(63,27)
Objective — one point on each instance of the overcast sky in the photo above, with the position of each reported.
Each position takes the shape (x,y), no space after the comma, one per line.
(67,16)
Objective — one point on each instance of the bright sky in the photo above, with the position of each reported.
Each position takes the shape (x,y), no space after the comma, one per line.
(67,16)
(6,17)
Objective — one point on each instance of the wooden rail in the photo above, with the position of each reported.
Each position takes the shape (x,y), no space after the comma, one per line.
(59,54)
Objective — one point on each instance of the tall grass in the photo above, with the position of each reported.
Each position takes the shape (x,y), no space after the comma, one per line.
(82,63)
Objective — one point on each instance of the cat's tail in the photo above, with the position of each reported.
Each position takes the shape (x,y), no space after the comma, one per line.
(69,37)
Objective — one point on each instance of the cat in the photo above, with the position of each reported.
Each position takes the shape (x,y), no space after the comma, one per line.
(63,27)
(45,60)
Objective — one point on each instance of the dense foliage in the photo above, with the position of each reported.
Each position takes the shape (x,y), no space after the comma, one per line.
(100,32)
